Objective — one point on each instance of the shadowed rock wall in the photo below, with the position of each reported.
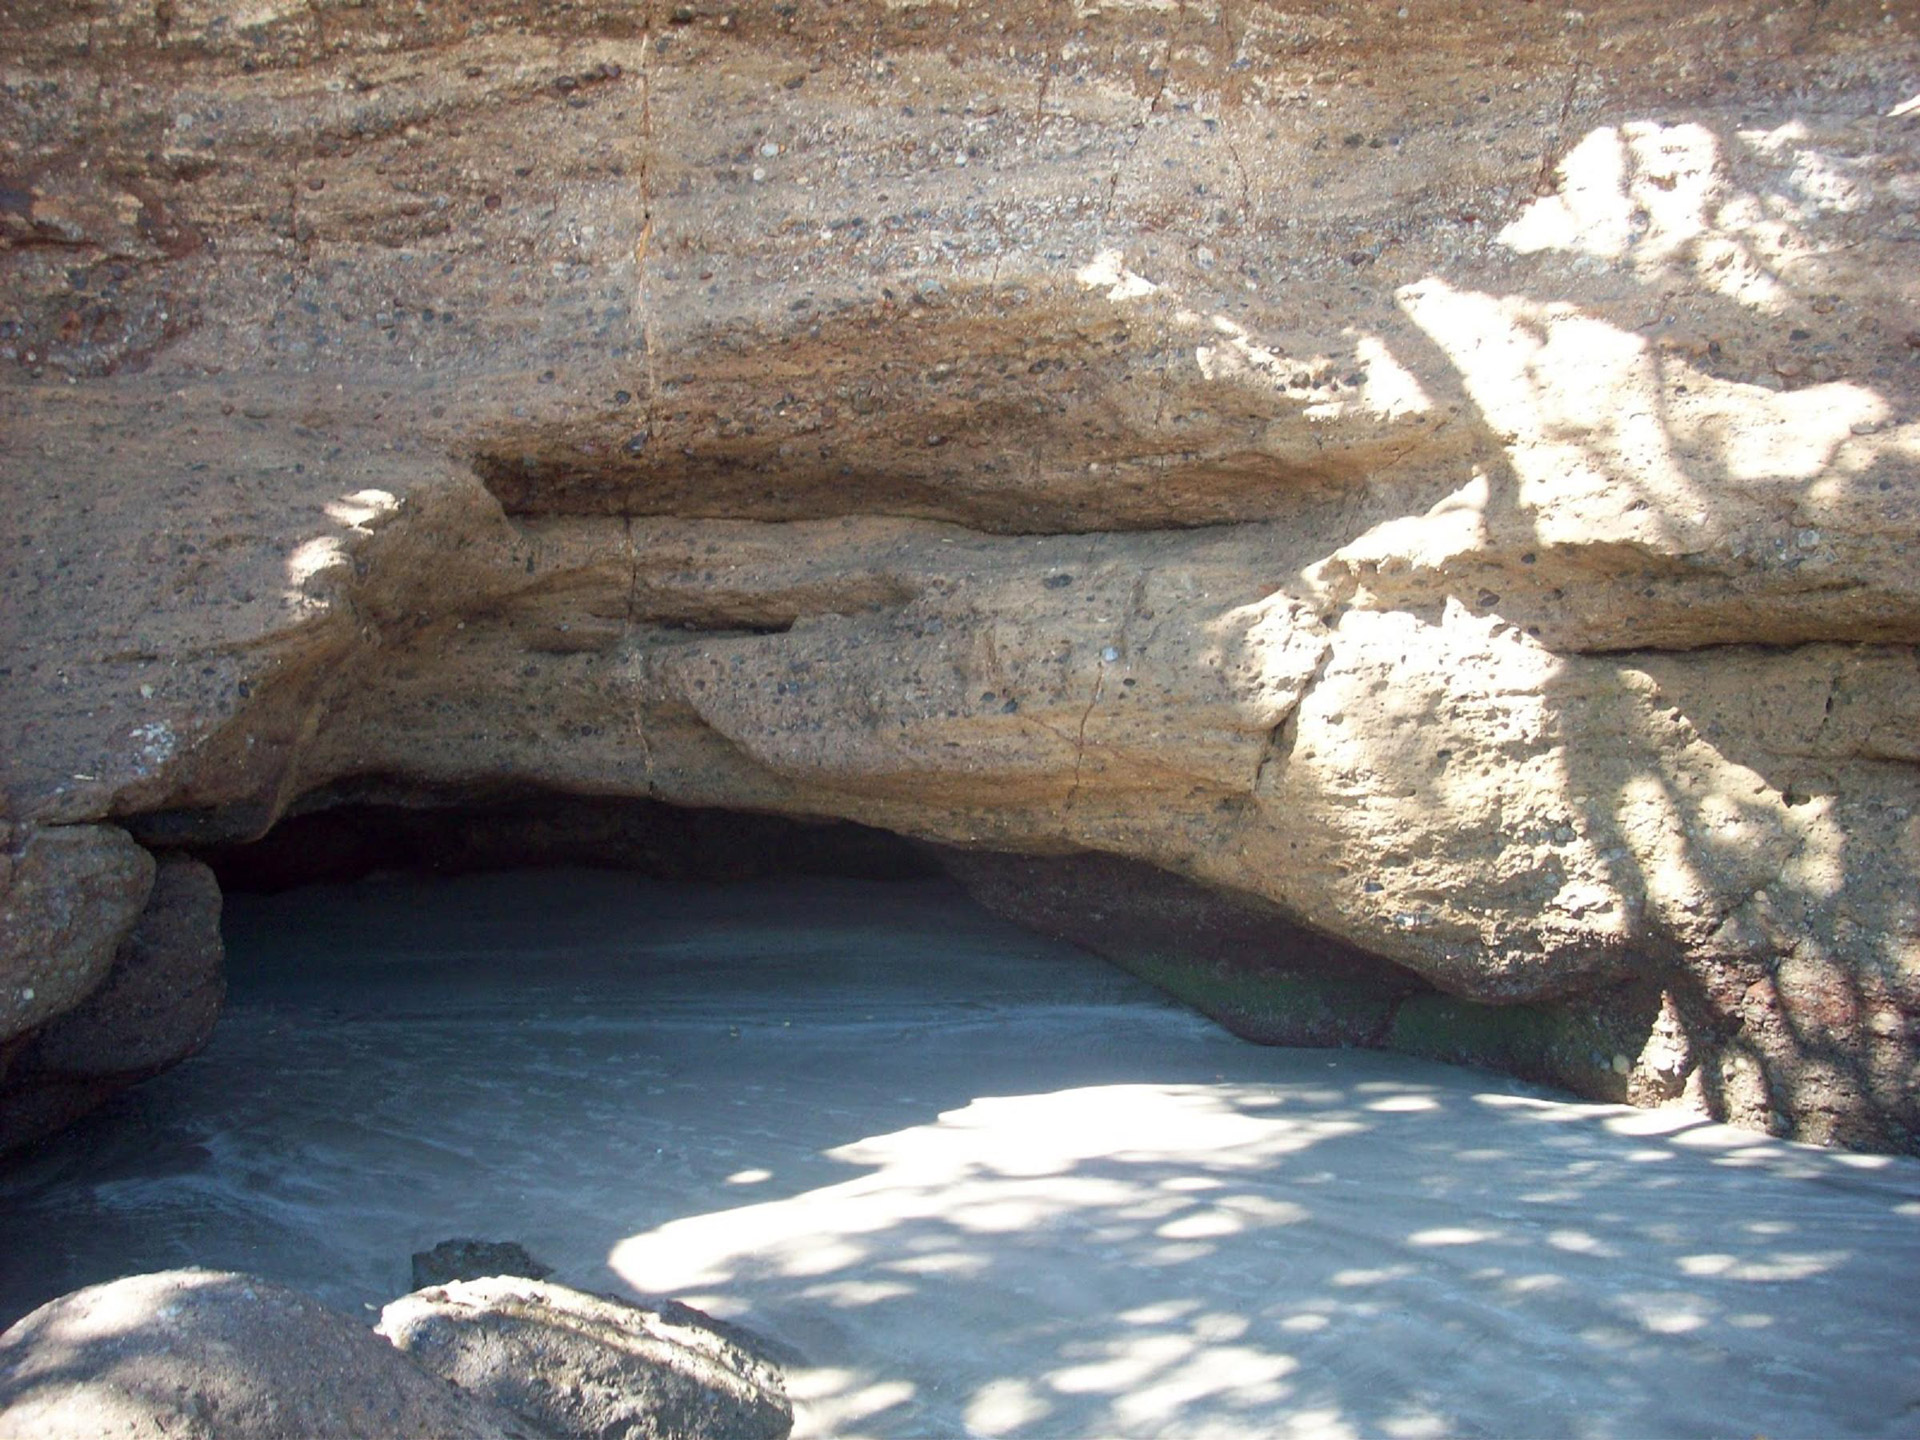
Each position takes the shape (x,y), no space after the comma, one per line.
(1449,477)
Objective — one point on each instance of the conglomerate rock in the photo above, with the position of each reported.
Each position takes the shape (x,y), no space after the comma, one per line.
(1449,476)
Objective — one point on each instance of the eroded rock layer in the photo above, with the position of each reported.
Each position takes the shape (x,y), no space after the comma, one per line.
(1447,480)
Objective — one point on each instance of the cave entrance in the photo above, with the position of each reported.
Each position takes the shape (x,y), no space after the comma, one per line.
(350,832)
(567,1023)
(1238,961)
(561,906)
(969,1179)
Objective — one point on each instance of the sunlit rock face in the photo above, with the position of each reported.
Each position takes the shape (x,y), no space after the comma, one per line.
(1448,478)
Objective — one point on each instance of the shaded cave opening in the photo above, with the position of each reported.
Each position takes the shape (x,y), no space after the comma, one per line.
(1238,961)
(568,1020)
(350,831)
(387,894)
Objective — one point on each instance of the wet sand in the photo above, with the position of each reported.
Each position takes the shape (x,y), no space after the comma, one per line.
(975,1183)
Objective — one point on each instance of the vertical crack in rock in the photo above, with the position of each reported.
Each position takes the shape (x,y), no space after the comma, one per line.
(643,248)
(642,657)
(1284,735)
(1239,170)
(1165,67)
(1099,688)
(1229,51)
(1080,738)
(1826,712)
(1231,45)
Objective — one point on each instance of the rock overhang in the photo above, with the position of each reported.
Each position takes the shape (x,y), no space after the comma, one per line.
(1471,519)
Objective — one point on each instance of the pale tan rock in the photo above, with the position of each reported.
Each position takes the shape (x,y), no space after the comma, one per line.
(1452,479)
(592,1365)
(208,1354)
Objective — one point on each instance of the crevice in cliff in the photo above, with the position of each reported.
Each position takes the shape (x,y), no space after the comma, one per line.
(552,487)
(643,247)
(1282,738)
(1157,73)
(986,466)
(1852,640)
(546,486)
(1554,151)
(1080,737)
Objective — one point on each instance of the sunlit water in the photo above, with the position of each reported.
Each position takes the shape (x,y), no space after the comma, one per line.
(975,1183)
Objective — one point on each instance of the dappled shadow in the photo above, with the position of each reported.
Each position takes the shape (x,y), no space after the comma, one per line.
(1407,1255)
(198,1351)
(975,1182)
(1694,437)
(1734,834)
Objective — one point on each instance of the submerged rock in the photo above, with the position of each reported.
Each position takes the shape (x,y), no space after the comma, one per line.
(462,1259)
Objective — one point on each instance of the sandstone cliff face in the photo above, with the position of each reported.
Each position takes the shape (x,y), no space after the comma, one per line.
(1448,479)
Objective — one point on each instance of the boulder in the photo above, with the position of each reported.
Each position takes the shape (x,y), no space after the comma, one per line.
(68,896)
(592,1365)
(156,1006)
(216,1356)
(465,1259)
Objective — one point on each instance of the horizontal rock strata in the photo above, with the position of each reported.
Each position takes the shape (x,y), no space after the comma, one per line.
(1446,482)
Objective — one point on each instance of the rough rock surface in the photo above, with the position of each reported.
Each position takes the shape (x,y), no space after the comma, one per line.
(220,1356)
(1450,476)
(466,1259)
(156,1006)
(72,894)
(591,1365)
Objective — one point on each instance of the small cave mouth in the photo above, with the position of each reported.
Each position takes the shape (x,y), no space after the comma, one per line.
(1240,961)
(1237,960)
